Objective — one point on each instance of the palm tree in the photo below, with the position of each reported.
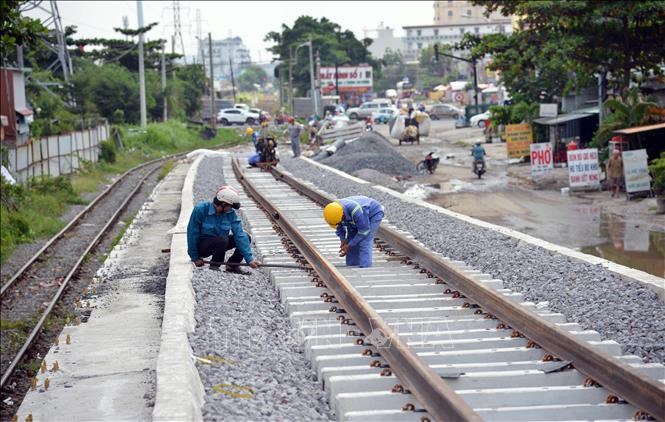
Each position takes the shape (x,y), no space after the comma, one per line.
(626,114)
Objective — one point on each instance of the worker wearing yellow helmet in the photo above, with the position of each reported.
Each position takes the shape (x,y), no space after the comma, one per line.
(356,220)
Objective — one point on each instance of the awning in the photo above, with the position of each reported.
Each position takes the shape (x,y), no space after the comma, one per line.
(24,111)
(639,129)
(548,121)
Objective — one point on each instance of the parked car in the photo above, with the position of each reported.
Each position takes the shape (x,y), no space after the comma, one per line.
(479,120)
(383,115)
(366,109)
(229,116)
(440,111)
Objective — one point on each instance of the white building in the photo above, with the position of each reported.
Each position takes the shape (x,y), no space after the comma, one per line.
(383,40)
(225,53)
(422,36)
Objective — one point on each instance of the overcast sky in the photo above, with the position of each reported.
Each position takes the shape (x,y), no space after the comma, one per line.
(250,20)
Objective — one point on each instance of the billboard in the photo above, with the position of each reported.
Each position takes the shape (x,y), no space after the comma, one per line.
(518,140)
(349,78)
(635,170)
(583,169)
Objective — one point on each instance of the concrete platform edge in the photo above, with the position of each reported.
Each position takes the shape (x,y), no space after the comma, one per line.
(180,393)
(654,283)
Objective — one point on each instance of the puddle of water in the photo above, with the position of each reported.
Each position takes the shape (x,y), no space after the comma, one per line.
(630,243)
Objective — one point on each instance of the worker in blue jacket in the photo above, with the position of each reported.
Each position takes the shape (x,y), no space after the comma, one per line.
(357,219)
(214,228)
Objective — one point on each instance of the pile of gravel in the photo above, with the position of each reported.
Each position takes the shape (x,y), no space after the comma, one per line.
(370,151)
(258,363)
(590,295)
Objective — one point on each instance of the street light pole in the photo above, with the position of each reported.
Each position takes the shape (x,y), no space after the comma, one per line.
(472,60)
(144,118)
(213,116)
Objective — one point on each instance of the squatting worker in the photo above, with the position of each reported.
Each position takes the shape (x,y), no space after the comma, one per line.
(214,228)
(357,219)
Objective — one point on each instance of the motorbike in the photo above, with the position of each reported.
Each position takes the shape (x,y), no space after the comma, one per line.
(421,167)
(479,168)
(369,126)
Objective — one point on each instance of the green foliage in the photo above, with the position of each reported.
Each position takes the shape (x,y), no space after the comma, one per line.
(253,75)
(513,114)
(16,29)
(31,211)
(657,168)
(333,44)
(623,114)
(108,152)
(193,84)
(587,37)
(118,116)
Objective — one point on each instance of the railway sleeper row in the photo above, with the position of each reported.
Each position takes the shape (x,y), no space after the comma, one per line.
(501,374)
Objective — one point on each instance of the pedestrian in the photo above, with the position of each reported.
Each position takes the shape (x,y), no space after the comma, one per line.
(293,131)
(356,220)
(214,228)
(615,172)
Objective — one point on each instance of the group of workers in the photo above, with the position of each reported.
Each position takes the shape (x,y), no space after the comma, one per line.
(215,228)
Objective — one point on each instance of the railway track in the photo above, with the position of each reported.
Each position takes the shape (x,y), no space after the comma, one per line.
(46,275)
(421,337)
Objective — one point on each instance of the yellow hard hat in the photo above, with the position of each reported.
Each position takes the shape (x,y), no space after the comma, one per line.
(333,214)
(249,131)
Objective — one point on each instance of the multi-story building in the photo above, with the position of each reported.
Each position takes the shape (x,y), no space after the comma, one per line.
(226,54)
(452,19)
(384,41)
(453,12)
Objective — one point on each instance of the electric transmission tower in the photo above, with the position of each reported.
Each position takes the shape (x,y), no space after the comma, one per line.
(177,30)
(54,24)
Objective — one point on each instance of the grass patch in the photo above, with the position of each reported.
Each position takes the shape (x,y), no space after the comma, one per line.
(119,236)
(31,211)
(166,169)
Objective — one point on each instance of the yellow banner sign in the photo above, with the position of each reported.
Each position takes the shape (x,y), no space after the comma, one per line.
(518,140)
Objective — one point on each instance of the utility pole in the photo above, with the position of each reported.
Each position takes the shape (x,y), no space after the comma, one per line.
(213,116)
(139,11)
(290,96)
(233,82)
(317,81)
(166,114)
(311,78)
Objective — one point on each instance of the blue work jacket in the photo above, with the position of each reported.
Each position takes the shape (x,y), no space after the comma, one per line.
(355,225)
(205,223)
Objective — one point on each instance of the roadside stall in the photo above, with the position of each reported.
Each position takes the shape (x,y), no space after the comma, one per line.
(563,129)
(650,137)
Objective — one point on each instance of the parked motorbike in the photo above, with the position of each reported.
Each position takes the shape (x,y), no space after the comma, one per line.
(421,167)
(369,126)
(479,168)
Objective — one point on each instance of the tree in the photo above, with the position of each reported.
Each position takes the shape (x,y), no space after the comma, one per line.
(16,29)
(626,113)
(433,72)
(615,37)
(250,77)
(531,70)
(334,46)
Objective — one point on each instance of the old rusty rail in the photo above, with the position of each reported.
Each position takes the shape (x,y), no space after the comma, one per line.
(439,399)
(626,382)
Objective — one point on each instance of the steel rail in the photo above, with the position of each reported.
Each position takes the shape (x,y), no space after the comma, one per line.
(438,398)
(71,224)
(626,382)
(36,330)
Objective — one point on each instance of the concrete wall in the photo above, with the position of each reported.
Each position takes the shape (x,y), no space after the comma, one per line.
(56,155)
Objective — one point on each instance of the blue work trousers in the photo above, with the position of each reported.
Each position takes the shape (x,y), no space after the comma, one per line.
(361,254)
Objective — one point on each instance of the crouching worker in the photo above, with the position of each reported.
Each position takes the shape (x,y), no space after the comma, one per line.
(357,219)
(214,228)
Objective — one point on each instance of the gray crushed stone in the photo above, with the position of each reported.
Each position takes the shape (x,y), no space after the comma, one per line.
(240,319)
(371,151)
(590,295)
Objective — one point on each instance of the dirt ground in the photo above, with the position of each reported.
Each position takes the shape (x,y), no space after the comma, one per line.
(623,231)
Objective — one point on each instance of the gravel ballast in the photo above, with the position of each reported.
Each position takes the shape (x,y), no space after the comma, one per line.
(241,323)
(590,295)
(371,151)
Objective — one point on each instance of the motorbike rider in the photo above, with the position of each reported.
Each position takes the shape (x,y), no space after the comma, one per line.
(478,153)
(429,162)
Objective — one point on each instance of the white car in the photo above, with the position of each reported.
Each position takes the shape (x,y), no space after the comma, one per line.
(366,109)
(479,120)
(229,116)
